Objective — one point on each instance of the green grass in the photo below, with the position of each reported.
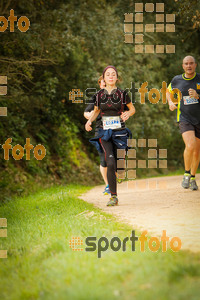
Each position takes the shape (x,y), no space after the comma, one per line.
(41,265)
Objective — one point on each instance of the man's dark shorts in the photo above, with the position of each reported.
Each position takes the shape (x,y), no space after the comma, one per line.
(184,126)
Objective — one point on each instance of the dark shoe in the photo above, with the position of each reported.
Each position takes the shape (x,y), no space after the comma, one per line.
(113,201)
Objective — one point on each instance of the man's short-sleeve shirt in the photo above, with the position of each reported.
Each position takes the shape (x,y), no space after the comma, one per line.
(188,107)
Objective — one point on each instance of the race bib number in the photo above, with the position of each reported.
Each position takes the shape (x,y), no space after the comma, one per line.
(189,100)
(111,123)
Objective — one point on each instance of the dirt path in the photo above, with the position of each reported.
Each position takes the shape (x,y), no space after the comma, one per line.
(154,205)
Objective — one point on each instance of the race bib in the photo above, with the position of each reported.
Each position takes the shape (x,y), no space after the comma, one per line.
(189,100)
(111,122)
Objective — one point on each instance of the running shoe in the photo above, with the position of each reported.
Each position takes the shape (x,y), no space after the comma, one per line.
(186,181)
(107,190)
(193,184)
(113,201)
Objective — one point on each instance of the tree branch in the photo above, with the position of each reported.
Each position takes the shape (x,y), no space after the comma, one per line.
(7,5)
(38,61)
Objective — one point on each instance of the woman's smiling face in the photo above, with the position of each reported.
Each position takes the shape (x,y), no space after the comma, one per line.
(110,76)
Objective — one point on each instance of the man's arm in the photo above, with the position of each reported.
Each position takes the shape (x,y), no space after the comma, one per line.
(172,106)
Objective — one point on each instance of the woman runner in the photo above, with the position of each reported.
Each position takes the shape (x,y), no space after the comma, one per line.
(110,103)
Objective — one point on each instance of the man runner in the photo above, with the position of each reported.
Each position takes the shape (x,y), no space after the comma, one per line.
(188,117)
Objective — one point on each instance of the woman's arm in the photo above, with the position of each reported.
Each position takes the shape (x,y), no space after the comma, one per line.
(126,114)
(87,114)
(89,109)
(92,118)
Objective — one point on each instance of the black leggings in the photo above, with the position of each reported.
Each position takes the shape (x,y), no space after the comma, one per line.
(110,151)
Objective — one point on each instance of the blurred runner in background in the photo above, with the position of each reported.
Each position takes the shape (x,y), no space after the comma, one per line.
(87,114)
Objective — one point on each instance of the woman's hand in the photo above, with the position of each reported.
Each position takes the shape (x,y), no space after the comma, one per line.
(125,115)
(88,126)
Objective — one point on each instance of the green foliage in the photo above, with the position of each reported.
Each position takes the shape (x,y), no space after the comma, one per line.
(67,46)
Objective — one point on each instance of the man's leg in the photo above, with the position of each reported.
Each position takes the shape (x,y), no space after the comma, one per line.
(194,166)
(196,157)
(190,144)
